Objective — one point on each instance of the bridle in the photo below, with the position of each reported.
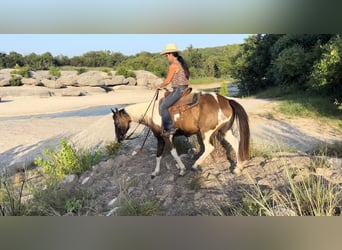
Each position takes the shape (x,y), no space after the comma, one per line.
(153,101)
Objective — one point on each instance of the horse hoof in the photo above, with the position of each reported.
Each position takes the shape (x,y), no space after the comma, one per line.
(153,176)
(236,171)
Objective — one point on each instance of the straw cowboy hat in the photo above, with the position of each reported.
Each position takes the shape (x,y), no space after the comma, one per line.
(171,47)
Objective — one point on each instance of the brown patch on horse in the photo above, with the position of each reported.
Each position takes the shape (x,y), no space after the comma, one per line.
(224,105)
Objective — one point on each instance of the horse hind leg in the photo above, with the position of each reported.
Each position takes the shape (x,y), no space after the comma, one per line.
(208,148)
(233,141)
(179,163)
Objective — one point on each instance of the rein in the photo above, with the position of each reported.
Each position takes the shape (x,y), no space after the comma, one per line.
(154,99)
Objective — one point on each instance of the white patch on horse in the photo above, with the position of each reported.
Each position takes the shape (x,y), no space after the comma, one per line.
(157,169)
(180,164)
(176,117)
(221,116)
(214,95)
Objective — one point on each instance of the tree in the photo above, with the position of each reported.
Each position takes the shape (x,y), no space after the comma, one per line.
(45,61)
(14,58)
(327,71)
(290,67)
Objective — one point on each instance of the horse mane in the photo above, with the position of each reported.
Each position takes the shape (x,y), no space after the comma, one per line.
(139,111)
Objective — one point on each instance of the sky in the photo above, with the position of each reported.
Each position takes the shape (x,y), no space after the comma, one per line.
(128,44)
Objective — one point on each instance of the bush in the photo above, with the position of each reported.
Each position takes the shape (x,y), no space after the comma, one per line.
(15,80)
(67,160)
(125,72)
(290,66)
(23,71)
(326,74)
(224,89)
(54,71)
(112,147)
(81,70)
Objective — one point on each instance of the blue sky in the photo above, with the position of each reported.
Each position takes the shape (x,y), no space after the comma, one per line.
(128,44)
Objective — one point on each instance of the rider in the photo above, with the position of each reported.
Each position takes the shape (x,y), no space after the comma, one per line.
(178,75)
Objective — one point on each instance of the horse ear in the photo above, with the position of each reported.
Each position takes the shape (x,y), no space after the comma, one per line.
(116,110)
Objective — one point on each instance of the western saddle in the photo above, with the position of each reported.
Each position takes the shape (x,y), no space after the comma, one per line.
(187,101)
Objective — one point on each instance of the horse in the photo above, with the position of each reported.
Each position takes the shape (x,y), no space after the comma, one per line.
(211,114)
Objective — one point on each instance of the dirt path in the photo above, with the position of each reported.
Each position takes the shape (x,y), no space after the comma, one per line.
(271,128)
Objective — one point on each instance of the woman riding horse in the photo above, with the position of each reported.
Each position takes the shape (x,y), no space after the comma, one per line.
(178,75)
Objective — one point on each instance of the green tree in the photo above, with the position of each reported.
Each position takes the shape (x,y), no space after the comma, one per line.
(14,58)
(290,66)
(327,71)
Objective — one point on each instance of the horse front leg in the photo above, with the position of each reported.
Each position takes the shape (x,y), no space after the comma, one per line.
(160,149)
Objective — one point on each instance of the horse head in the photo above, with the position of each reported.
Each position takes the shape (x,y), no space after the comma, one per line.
(121,123)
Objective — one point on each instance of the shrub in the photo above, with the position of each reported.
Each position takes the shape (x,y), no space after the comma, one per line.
(23,71)
(326,74)
(10,197)
(67,160)
(15,80)
(310,195)
(125,72)
(54,71)
(81,70)
(112,147)
(224,89)
(148,207)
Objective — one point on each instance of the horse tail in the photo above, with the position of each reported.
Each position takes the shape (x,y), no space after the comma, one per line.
(241,116)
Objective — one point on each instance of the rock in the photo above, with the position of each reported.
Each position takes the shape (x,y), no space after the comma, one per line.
(92,78)
(30,81)
(40,74)
(115,80)
(25,91)
(145,78)
(5,82)
(281,210)
(68,182)
(130,81)
(6,71)
(68,78)
(69,91)
(52,84)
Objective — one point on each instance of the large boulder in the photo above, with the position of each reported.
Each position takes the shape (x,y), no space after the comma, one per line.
(40,74)
(130,81)
(146,78)
(68,78)
(52,84)
(5,77)
(114,81)
(30,81)
(25,91)
(4,81)
(92,78)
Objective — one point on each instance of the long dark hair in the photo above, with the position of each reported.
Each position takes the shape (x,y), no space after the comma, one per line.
(183,63)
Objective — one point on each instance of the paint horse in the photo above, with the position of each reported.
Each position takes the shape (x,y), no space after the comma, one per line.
(203,114)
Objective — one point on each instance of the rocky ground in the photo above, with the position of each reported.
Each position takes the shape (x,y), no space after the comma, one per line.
(125,178)
(214,190)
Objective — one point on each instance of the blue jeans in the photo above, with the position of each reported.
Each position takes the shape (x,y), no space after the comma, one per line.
(171,99)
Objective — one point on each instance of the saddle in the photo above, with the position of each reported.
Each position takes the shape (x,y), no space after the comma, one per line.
(187,101)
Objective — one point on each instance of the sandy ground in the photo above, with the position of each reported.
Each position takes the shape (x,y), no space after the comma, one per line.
(21,140)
